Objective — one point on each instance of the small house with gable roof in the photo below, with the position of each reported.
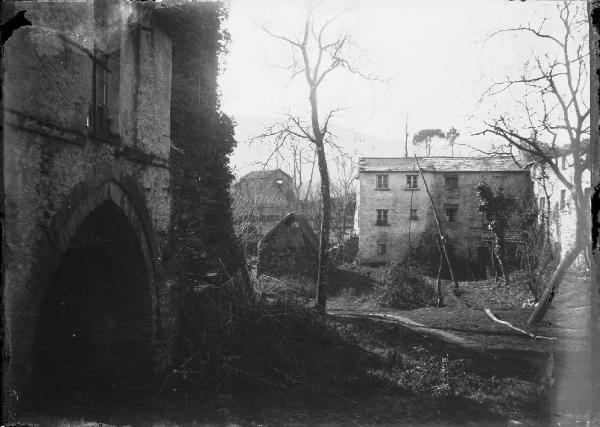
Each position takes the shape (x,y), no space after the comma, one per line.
(290,248)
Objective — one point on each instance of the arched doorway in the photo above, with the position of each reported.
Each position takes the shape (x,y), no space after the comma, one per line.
(95,328)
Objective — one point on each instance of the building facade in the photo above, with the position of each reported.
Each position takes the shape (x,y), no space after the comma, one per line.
(555,202)
(394,214)
(102,179)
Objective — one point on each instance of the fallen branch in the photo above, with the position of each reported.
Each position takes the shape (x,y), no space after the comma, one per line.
(505,323)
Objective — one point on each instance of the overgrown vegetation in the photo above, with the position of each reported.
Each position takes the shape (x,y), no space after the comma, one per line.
(539,258)
(238,342)
(201,239)
(400,287)
(255,350)
(497,207)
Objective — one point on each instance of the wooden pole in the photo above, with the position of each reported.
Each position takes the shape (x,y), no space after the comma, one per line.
(439,227)
(406,136)
(439,278)
(409,227)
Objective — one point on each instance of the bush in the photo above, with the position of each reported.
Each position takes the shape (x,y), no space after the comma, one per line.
(404,288)
(539,259)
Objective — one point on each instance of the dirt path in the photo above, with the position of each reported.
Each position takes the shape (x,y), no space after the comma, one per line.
(411,324)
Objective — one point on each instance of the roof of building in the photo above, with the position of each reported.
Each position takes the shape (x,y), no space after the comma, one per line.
(302,222)
(439,164)
(265,174)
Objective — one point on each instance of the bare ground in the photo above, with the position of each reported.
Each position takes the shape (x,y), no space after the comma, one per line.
(429,367)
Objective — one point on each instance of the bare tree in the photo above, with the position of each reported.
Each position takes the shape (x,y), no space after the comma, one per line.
(551,105)
(256,210)
(344,195)
(316,55)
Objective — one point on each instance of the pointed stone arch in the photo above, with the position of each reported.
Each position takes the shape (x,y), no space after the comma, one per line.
(106,186)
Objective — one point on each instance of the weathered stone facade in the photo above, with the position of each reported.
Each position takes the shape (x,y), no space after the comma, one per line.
(89,147)
(451,182)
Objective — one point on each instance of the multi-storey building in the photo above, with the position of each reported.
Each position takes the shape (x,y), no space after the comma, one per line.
(394,212)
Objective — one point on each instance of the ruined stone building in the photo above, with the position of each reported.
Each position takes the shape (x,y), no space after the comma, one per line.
(555,202)
(394,215)
(115,167)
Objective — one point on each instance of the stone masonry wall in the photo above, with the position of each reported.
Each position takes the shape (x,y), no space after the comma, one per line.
(464,234)
(50,155)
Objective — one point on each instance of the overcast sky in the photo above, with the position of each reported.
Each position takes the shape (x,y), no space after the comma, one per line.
(434,58)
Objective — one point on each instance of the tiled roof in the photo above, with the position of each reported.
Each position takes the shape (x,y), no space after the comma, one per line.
(442,164)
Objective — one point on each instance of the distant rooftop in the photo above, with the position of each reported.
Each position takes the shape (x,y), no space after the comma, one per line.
(441,164)
(265,174)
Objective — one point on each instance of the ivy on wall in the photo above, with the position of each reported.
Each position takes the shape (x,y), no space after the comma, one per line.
(202,237)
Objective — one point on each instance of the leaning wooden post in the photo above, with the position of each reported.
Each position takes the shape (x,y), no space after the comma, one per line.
(439,277)
(439,227)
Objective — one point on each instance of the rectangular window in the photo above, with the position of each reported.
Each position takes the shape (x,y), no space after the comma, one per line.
(451,182)
(382,182)
(563,162)
(381,248)
(98,119)
(412,181)
(382,217)
(563,199)
(451,213)
(413,214)
(542,204)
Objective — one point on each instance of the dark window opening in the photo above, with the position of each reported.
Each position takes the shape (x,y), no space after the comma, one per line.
(413,214)
(382,217)
(451,213)
(382,182)
(563,199)
(98,119)
(451,182)
(381,248)
(412,181)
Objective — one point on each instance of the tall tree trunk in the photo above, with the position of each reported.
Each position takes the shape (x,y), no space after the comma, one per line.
(323,276)
(312,169)
(499,249)
(319,136)
(492,257)
(543,303)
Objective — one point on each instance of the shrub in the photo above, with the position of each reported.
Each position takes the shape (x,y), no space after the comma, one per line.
(539,258)
(404,288)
